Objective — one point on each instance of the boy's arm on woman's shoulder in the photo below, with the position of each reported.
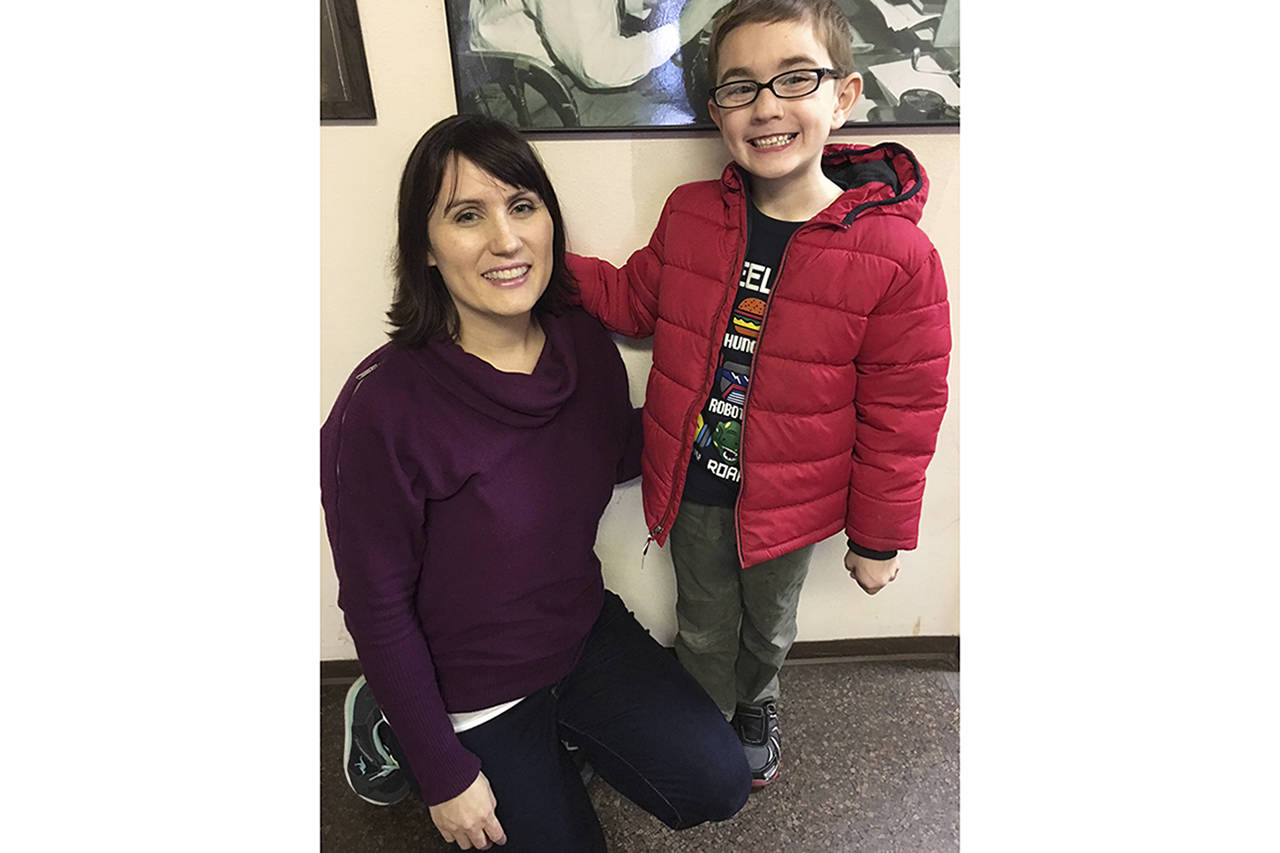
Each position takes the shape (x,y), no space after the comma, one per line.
(624,298)
(901,398)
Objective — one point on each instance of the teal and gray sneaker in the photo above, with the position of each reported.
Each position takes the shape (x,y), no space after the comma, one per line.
(372,771)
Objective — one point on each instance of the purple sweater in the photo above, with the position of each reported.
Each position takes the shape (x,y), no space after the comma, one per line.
(462,505)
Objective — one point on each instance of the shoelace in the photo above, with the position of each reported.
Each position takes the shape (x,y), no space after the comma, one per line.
(389,763)
(386,770)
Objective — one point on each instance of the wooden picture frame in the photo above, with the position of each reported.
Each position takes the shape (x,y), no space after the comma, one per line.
(345,90)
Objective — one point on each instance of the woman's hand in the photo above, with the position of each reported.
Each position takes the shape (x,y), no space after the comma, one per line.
(871,575)
(468,819)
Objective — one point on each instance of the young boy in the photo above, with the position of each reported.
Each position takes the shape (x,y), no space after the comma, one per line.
(795,303)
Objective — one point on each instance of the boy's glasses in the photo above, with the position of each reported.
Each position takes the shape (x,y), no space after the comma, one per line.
(789,84)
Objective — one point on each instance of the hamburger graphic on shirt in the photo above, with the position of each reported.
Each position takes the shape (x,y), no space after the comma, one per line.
(748,316)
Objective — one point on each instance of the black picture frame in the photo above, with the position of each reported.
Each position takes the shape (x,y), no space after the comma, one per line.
(907,51)
(346,93)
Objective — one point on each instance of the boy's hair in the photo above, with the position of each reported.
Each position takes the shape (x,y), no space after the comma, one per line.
(422,307)
(830,25)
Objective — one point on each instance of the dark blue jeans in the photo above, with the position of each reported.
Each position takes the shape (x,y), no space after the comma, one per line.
(642,722)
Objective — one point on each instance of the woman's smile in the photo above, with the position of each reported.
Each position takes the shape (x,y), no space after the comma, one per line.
(512,276)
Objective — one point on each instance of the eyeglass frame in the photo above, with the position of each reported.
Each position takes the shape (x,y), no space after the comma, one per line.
(823,73)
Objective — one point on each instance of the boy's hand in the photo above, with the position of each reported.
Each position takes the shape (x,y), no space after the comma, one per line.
(468,819)
(871,575)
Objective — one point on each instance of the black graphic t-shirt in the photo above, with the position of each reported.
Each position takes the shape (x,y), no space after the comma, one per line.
(714,472)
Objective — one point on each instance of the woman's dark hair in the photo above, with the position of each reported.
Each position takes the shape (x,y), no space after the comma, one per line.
(422,307)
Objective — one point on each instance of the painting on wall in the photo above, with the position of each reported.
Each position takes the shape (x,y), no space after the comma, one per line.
(547,65)
(345,90)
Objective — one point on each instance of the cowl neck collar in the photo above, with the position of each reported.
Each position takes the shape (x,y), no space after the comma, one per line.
(515,399)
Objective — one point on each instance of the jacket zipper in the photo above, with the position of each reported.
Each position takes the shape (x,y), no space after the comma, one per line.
(717,338)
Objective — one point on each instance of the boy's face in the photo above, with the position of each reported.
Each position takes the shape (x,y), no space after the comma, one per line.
(775,138)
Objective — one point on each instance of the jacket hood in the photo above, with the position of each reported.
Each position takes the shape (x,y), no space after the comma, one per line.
(514,399)
(877,179)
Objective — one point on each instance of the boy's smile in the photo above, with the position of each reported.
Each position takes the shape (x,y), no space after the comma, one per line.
(779,140)
(771,143)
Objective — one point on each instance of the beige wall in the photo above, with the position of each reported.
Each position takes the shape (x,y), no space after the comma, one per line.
(611,189)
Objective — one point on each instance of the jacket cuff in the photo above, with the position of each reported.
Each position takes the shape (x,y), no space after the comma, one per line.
(869,553)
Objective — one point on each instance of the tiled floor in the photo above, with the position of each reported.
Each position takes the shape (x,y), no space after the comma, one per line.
(870,763)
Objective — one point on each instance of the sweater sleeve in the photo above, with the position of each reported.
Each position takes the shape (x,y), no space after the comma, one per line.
(374,510)
(632,445)
(900,401)
(629,428)
(624,299)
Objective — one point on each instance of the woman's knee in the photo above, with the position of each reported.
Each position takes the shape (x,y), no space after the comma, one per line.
(719,779)
(732,786)
(720,791)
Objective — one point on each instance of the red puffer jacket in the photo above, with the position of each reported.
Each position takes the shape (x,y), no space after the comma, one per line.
(849,382)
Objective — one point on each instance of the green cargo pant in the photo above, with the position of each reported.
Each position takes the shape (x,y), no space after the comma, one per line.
(734,626)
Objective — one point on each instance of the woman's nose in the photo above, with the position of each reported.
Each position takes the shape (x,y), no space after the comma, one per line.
(503,239)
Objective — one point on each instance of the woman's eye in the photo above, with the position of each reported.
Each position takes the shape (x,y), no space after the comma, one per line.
(523,207)
(466,216)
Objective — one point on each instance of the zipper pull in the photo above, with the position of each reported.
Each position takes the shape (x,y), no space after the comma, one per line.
(652,535)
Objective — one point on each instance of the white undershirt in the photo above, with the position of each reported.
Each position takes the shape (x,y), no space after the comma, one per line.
(471,719)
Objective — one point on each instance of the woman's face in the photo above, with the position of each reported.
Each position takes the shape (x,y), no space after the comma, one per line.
(492,244)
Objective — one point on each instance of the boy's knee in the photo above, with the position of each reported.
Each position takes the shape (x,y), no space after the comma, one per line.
(708,633)
(708,642)
(778,643)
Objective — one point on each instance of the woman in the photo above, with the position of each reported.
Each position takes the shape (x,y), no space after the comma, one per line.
(465,467)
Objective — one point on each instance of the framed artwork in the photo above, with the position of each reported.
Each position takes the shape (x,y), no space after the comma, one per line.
(552,65)
(345,91)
